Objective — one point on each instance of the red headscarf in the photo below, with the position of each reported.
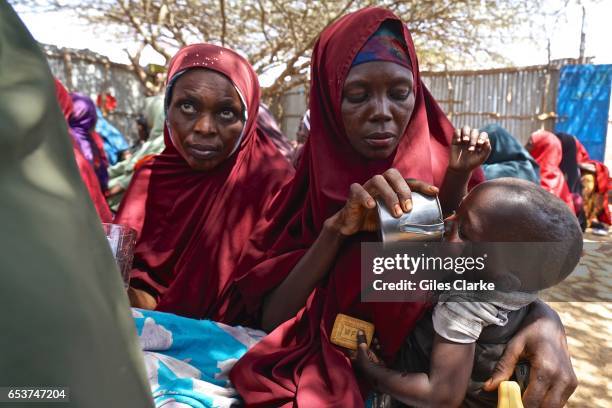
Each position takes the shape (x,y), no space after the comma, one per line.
(296,363)
(547,151)
(193,225)
(87,173)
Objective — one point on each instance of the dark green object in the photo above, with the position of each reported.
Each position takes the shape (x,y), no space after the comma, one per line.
(64,315)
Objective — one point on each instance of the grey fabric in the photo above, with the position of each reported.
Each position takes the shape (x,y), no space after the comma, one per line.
(460,317)
(65,316)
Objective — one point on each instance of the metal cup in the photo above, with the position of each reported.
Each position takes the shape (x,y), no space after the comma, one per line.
(424,223)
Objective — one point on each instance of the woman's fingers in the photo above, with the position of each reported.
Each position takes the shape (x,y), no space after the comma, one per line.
(506,364)
(359,197)
(559,393)
(401,188)
(539,384)
(378,186)
(422,187)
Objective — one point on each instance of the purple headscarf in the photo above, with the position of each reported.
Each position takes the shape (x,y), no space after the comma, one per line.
(82,123)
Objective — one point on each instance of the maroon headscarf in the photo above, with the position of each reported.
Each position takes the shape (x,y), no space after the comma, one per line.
(296,363)
(87,172)
(547,151)
(193,225)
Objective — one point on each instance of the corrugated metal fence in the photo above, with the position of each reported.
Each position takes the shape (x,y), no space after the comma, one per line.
(91,74)
(520,99)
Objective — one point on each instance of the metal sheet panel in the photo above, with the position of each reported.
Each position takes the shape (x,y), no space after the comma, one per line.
(521,100)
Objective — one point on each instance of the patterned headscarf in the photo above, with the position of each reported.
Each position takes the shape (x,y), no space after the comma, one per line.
(386,44)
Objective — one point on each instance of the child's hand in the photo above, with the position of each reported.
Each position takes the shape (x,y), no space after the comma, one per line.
(469,149)
(364,357)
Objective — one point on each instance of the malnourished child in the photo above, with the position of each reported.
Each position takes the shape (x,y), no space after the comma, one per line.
(453,351)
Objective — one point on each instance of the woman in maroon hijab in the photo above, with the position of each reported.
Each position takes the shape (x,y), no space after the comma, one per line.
(195,205)
(373,123)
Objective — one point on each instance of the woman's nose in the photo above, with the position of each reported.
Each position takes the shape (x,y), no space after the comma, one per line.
(382,110)
(205,125)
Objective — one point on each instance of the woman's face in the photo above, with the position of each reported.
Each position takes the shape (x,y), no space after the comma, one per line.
(377,103)
(205,118)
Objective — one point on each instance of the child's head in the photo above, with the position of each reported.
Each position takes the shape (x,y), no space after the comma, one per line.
(515,210)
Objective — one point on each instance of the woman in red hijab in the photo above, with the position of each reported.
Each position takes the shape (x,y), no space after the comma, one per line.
(373,123)
(195,205)
(87,173)
(546,149)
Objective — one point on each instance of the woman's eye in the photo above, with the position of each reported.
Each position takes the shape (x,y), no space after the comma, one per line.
(400,95)
(187,107)
(227,115)
(356,97)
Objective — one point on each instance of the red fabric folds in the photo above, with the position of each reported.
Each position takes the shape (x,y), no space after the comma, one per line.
(192,226)
(296,364)
(547,151)
(87,173)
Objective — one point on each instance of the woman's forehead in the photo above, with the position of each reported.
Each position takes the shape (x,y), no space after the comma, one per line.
(379,71)
(200,83)
(200,77)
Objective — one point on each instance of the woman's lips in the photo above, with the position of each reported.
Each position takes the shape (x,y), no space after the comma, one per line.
(380,140)
(203,152)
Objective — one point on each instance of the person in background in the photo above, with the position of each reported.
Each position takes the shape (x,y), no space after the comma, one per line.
(82,123)
(546,149)
(115,145)
(267,123)
(196,204)
(571,171)
(87,173)
(121,173)
(595,180)
(508,157)
(65,318)
(301,136)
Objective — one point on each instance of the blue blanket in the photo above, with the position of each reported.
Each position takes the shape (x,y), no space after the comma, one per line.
(188,361)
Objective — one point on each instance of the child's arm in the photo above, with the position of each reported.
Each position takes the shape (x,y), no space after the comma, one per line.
(469,149)
(450,370)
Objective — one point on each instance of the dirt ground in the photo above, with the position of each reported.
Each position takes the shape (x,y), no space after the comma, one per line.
(589,325)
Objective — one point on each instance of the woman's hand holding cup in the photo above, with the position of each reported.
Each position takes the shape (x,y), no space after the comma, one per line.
(359,213)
